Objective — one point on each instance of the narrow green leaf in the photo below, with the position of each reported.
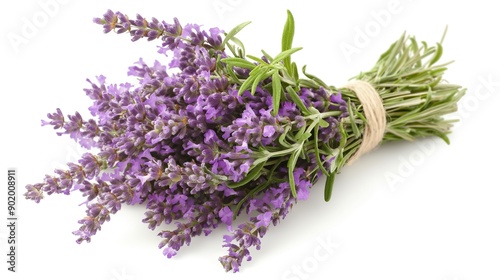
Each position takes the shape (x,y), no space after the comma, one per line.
(257,59)
(308,83)
(284,54)
(443,136)
(299,133)
(355,128)
(234,31)
(395,50)
(277,88)
(260,160)
(246,85)
(287,39)
(288,32)
(334,167)
(414,44)
(343,134)
(314,78)
(291,167)
(313,110)
(294,72)
(260,78)
(233,50)
(304,136)
(268,56)
(330,179)
(316,151)
(342,144)
(323,123)
(387,52)
(232,75)
(437,54)
(257,79)
(282,137)
(240,45)
(239,62)
(256,71)
(424,44)
(361,116)
(295,97)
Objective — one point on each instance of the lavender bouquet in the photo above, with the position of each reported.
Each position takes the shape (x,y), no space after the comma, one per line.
(223,133)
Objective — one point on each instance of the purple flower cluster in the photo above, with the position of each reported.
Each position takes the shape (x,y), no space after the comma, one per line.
(178,141)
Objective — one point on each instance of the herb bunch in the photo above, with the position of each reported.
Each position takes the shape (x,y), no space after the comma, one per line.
(225,133)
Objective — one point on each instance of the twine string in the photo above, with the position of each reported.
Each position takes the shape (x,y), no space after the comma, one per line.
(375,115)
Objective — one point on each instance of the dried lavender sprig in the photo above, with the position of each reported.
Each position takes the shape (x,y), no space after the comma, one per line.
(259,136)
(77,174)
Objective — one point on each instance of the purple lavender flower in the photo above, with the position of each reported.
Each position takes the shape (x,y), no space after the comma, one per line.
(34,192)
(226,215)
(264,219)
(97,214)
(253,128)
(56,119)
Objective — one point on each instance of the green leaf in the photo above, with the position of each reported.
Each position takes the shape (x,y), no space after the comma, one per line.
(323,123)
(232,75)
(313,110)
(253,174)
(294,72)
(437,54)
(246,84)
(314,78)
(233,50)
(284,54)
(443,136)
(291,167)
(342,144)
(308,84)
(264,74)
(343,133)
(316,151)
(304,136)
(355,128)
(239,44)
(233,32)
(257,59)
(287,39)
(268,56)
(295,97)
(330,179)
(299,133)
(239,62)
(258,74)
(277,88)
(282,137)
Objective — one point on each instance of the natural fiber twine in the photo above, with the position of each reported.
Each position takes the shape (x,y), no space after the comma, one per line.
(375,115)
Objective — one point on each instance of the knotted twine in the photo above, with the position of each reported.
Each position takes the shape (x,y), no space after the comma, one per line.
(374,113)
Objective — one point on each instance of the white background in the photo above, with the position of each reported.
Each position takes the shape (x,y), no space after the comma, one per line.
(439,221)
